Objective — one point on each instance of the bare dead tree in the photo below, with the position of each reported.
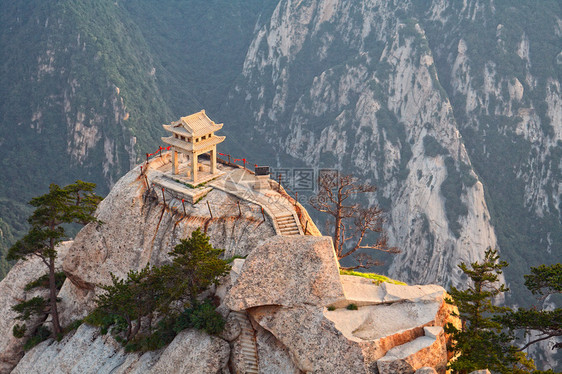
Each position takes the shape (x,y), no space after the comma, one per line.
(337,196)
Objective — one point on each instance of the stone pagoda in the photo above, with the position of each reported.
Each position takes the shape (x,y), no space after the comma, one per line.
(192,136)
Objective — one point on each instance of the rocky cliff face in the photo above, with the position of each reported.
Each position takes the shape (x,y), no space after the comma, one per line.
(452,110)
(354,87)
(275,301)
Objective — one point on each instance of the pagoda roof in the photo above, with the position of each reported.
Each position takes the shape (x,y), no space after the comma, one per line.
(200,146)
(197,124)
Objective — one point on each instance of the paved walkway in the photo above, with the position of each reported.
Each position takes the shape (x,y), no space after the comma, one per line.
(240,183)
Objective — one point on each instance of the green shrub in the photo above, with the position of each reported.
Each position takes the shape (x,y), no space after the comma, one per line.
(19,330)
(43,281)
(41,334)
(205,317)
(331,308)
(202,317)
(105,321)
(432,148)
(352,307)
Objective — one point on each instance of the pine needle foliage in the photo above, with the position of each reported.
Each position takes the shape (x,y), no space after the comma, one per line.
(544,280)
(147,309)
(480,343)
(73,204)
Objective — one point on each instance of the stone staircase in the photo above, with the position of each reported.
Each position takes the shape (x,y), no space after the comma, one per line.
(287,224)
(247,341)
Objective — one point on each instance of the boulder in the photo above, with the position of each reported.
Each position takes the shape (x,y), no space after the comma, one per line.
(87,352)
(485,371)
(397,292)
(360,291)
(193,351)
(428,350)
(378,327)
(273,356)
(288,271)
(231,329)
(379,321)
(426,370)
(314,344)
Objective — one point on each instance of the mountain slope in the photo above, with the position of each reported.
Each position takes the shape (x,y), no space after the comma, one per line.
(78,93)
(503,76)
(453,110)
(86,87)
(356,89)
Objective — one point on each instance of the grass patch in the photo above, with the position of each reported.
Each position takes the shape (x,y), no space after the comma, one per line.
(200,185)
(377,278)
(231,260)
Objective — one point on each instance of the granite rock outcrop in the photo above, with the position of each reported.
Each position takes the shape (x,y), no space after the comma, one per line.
(281,303)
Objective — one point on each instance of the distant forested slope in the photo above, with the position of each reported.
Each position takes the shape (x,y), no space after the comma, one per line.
(85,86)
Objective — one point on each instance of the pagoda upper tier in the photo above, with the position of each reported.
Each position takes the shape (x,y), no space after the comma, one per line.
(194,133)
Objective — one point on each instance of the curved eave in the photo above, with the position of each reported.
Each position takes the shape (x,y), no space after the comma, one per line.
(202,146)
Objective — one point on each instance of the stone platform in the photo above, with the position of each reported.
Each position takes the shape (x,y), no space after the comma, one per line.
(191,195)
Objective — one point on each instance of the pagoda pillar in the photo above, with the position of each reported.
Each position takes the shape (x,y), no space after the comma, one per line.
(214,160)
(194,167)
(174,162)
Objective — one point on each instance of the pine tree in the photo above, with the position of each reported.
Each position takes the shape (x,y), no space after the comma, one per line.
(75,203)
(165,293)
(543,281)
(196,265)
(480,343)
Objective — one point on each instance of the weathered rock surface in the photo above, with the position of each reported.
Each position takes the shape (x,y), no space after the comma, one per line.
(139,229)
(87,352)
(11,293)
(314,343)
(273,356)
(428,350)
(288,271)
(275,301)
(426,370)
(193,352)
(287,297)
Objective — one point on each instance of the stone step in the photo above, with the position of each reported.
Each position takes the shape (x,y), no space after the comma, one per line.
(425,350)
(285,220)
(286,224)
(248,349)
(290,227)
(291,231)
